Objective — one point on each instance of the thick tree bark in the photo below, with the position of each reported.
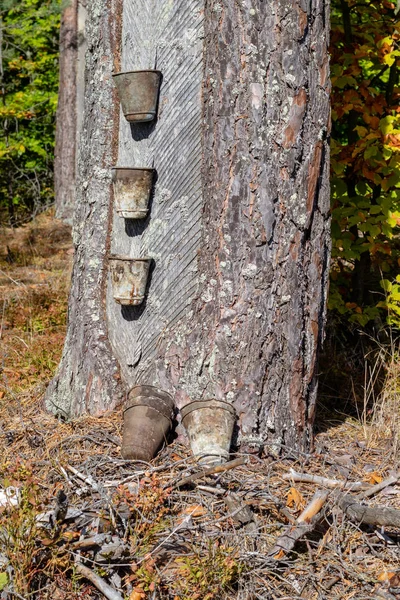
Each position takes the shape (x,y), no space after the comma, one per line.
(88,377)
(236,305)
(253,335)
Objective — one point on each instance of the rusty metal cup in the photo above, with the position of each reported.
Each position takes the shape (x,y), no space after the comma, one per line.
(209,425)
(132,189)
(148,417)
(138,93)
(129,279)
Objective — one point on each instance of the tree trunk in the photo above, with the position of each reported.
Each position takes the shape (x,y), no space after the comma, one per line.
(70,107)
(65,150)
(88,376)
(239,225)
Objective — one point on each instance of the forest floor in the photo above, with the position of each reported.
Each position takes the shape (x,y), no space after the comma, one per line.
(78,522)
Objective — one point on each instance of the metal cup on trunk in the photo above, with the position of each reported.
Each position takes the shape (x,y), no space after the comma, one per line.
(132,189)
(209,425)
(148,417)
(138,93)
(129,278)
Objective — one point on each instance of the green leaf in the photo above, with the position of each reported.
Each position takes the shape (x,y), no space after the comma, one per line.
(386,285)
(3,580)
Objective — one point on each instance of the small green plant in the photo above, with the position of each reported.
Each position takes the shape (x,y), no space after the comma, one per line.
(206,575)
(19,530)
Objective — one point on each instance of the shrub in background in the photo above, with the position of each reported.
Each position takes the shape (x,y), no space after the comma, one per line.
(29,37)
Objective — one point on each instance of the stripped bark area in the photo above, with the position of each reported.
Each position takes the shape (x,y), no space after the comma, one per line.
(252,336)
(88,377)
(168,35)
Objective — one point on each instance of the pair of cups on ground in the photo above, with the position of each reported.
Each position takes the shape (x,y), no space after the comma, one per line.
(148,419)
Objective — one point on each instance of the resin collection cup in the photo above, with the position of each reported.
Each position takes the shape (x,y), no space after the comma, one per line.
(129,278)
(132,189)
(148,417)
(138,93)
(209,425)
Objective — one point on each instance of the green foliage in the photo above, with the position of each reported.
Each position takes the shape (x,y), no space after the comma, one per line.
(392,302)
(365,155)
(28,87)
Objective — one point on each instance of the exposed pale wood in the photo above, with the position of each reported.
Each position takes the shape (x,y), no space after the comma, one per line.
(305,523)
(314,506)
(169,35)
(90,542)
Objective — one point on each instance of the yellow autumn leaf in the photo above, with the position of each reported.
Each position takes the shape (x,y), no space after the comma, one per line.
(385,575)
(374,478)
(295,499)
(389,59)
(136,595)
(386,125)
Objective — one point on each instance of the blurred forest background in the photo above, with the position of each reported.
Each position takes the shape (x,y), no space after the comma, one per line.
(365,143)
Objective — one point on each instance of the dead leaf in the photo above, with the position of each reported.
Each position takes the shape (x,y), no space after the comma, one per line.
(327,537)
(295,499)
(69,536)
(135,595)
(194,510)
(374,478)
(47,541)
(280,555)
(385,576)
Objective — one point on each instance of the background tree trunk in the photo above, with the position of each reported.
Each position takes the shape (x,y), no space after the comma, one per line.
(70,107)
(236,304)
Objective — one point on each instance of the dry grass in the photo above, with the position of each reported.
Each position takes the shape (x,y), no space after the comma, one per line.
(174,543)
(385,422)
(35,264)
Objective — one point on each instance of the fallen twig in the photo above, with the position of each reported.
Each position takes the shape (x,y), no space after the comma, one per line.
(91,542)
(324,481)
(211,490)
(210,471)
(89,480)
(306,523)
(313,507)
(98,582)
(375,489)
(377,515)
